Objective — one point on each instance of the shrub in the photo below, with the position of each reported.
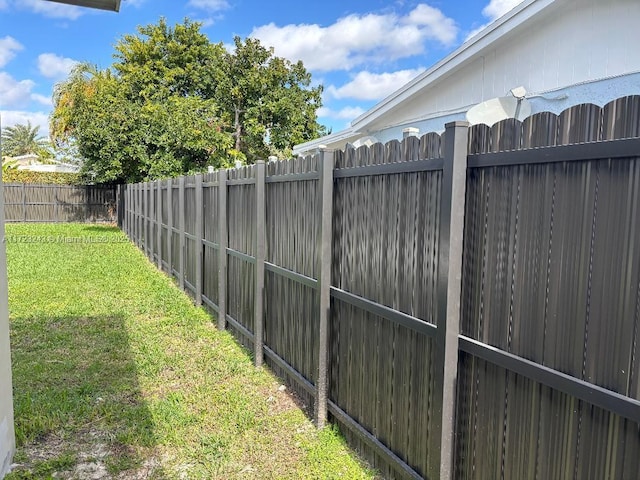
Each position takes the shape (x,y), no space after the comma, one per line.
(26,176)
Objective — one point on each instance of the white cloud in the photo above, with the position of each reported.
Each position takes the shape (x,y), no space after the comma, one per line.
(358,39)
(52,9)
(209,5)
(51,65)
(42,99)
(4,4)
(438,26)
(346,113)
(15,117)
(494,10)
(373,86)
(497,8)
(8,48)
(14,93)
(206,22)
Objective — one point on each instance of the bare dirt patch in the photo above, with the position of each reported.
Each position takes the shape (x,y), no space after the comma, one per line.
(91,455)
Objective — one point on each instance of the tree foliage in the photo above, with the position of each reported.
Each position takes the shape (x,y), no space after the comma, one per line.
(23,139)
(8,164)
(267,100)
(173,103)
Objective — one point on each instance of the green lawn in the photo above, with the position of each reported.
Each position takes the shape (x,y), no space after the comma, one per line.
(118,375)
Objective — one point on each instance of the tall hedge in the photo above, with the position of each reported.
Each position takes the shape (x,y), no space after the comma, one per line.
(26,176)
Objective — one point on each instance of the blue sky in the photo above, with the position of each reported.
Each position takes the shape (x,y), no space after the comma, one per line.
(361,51)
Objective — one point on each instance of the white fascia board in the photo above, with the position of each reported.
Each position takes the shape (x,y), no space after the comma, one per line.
(491,34)
(327,139)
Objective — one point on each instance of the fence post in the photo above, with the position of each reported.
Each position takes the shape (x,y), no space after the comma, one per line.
(147,201)
(127,208)
(131,188)
(24,203)
(147,220)
(159,221)
(170,227)
(199,234)
(133,211)
(138,215)
(450,274)
(260,259)
(222,252)
(324,284)
(121,209)
(56,204)
(181,227)
(123,205)
(86,204)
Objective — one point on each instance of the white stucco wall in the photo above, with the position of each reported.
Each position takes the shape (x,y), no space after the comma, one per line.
(7,435)
(555,101)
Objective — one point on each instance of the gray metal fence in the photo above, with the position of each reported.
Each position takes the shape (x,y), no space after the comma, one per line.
(464,306)
(34,202)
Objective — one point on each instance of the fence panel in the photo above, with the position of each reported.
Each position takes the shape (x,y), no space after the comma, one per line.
(155,224)
(291,298)
(386,231)
(241,215)
(60,203)
(189,213)
(210,196)
(178,217)
(552,275)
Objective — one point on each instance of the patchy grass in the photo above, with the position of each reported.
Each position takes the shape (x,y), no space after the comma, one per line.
(118,375)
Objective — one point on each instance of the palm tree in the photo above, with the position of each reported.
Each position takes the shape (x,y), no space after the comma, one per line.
(65,94)
(8,165)
(22,139)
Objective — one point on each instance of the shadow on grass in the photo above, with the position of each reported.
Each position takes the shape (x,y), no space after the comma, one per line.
(78,404)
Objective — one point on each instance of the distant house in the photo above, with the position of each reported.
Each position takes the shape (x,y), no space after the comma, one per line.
(56,167)
(563,52)
(25,160)
(32,162)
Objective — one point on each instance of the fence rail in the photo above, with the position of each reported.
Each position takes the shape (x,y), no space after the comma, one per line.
(29,202)
(464,305)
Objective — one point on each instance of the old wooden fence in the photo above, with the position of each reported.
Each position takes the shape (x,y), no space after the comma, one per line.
(33,202)
(464,306)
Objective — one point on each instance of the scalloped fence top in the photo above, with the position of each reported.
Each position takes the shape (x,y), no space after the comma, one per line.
(582,123)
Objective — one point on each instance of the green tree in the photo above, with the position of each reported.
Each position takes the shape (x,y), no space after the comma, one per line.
(23,139)
(267,100)
(173,102)
(123,140)
(161,61)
